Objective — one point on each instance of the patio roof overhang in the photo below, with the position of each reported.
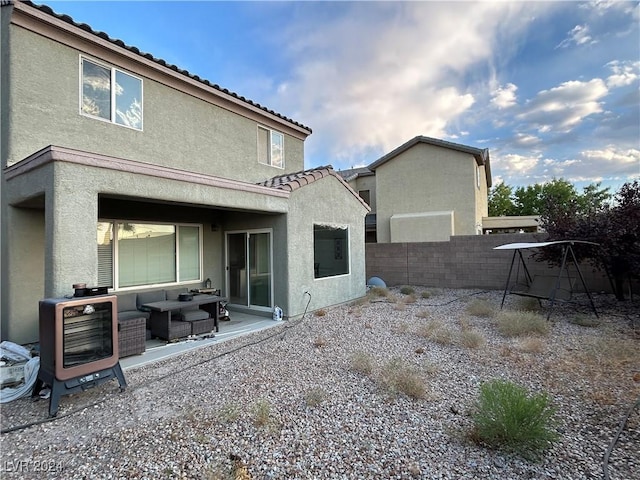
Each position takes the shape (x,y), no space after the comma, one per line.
(213,191)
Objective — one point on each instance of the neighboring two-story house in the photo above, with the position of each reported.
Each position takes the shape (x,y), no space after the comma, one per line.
(121,170)
(423,191)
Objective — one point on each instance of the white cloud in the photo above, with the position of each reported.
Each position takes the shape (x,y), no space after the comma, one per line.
(562,108)
(614,161)
(516,165)
(624,73)
(381,73)
(504,97)
(526,141)
(579,35)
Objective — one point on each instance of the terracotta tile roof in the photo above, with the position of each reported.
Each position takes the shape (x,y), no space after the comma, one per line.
(159,61)
(294,181)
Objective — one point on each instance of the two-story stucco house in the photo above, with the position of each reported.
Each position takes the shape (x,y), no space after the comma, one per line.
(425,190)
(121,170)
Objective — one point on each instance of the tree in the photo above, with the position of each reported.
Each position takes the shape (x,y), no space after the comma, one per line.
(616,228)
(594,198)
(533,199)
(527,200)
(500,203)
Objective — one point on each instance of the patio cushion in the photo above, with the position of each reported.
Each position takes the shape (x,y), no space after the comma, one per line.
(127,302)
(192,315)
(199,327)
(129,314)
(153,296)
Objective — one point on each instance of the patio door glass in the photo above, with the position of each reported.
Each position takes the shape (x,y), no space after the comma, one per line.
(249,271)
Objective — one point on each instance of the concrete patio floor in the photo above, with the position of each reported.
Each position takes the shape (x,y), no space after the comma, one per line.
(240,324)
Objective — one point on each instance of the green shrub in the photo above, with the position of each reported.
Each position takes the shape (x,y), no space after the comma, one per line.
(426,294)
(518,323)
(407,290)
(508,418)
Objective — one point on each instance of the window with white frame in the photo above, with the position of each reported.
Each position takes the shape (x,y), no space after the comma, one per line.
(478,174)
(110,94)
(139,254)
(270,147)
(330,251)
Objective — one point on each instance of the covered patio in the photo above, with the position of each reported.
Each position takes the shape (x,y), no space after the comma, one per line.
(241,323)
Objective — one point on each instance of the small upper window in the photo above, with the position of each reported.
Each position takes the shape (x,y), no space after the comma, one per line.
(365,195)
(478,173)
(270,147)
(111,94)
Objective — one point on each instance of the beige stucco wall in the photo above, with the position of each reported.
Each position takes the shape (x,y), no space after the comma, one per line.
(57,244)
(415,227)
(481,200)
(328,202)
(366,182)
(180,130)
(51,242)
(428,178)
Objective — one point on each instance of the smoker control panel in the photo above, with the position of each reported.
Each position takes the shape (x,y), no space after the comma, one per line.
(89,378)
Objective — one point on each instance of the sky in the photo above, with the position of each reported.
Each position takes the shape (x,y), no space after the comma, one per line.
(552,89)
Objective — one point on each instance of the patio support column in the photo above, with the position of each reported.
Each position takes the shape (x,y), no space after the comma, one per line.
(71,224)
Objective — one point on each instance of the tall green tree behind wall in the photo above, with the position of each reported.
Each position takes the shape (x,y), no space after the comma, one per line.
(504,200)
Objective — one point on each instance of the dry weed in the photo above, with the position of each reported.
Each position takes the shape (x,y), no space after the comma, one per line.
(401,327)
(531,345)
(379,292)
(519,323)
(400,306)
(397,377)
(362,362)
(472,339)
(528,304)
(480,308)
(320,342)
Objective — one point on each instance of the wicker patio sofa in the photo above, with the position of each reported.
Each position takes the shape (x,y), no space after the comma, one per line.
(191,320)
(132,336)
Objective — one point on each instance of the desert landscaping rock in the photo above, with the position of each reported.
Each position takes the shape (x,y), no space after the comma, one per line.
(287,402)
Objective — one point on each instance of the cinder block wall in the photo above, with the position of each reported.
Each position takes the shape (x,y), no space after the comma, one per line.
(467,261)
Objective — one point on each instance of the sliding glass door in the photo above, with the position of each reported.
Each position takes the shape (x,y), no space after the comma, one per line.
(249,270)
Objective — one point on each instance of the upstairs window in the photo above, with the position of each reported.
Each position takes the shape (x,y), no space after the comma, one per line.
(110,94)
(365,195)
(270,147)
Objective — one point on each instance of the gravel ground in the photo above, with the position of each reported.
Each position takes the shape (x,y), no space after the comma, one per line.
(298,401)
